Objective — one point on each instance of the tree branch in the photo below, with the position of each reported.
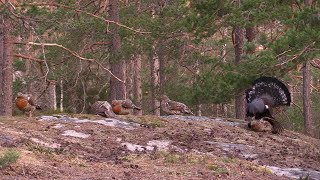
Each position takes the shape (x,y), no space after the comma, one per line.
(110,72)
(56,45)
(72,53)
(87,13)
(28,57)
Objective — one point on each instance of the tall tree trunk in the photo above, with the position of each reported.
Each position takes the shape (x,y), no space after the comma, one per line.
(240,100)
(130,78)
(155,72)
(61,96)
(137,83)
(6,67)
(307,108)
(118,88)
(155,80)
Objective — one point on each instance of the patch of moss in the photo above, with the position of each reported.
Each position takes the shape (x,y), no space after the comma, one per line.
(258,168)
(217,169)
(172,158)
(35,148)
(229,160)
(148,121)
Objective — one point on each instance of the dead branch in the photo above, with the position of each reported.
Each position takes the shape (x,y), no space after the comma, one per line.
(56,45)
(281,54)
(307,48)
(110,72)
(315,63)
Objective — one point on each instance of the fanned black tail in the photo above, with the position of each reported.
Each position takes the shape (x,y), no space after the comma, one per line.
(271,90)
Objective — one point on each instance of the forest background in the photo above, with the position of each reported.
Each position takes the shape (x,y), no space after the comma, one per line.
(69,54)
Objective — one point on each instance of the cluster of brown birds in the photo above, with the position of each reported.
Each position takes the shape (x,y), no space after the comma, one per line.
(125,107)
(27,104)
(119,107)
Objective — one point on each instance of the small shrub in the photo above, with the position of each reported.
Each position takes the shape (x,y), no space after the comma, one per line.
(8,158)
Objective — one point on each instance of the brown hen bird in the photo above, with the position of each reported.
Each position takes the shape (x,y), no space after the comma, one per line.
(26,103)
(102,108)
(173,107)
(123,107)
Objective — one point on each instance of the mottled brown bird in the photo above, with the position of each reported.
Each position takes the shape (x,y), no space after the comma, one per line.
(26,103)
(173,107)
(260,126)
(102,108)
(123,107)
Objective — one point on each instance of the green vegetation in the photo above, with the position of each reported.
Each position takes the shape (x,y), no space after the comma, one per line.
(9,157)
(217,169)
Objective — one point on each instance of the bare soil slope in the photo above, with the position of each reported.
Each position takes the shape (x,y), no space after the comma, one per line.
(149,147)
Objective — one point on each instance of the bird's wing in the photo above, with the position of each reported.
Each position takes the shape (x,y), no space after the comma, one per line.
(31,100)
(174,105)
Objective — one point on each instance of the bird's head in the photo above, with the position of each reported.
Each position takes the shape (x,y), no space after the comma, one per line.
(164,98)
(20,95)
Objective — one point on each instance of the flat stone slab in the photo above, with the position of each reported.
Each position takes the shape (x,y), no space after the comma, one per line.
(199,118)
(295,173)
(151,145)
(104,121)
(76,134)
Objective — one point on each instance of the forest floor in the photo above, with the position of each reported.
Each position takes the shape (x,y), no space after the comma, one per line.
(79,147)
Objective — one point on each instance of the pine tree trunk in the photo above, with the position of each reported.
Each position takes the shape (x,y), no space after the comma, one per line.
(118,88)
(240,99)
(6,67)
(130,78)
(137,83)
(155,80)
(307,110)
(61,96)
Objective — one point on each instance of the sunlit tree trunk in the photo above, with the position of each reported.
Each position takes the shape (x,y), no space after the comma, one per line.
(155,80)
(155,73)
(130,78)
(137,83)
(61,96)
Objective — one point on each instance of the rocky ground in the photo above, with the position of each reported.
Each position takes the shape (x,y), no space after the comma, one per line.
(148,147)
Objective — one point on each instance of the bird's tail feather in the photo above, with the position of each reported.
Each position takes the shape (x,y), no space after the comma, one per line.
(270,88)
(276,125)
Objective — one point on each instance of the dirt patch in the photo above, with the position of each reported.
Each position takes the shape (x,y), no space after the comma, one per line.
(175,148)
